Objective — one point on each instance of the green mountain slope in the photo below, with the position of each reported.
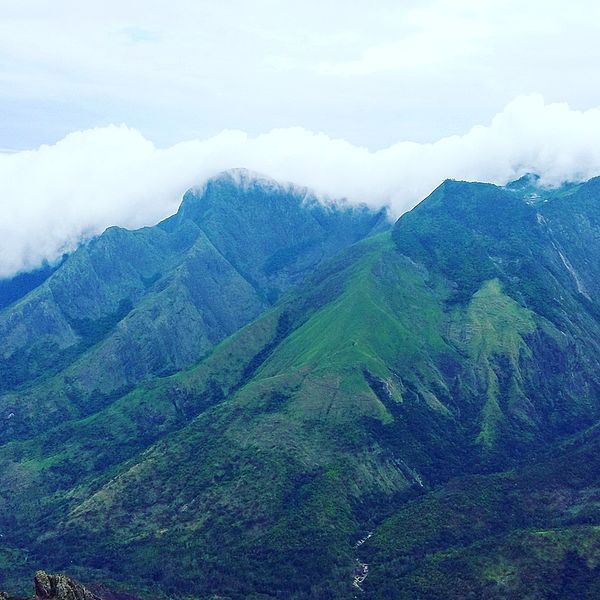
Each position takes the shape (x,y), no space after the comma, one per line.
(460,345)
(135,304)
(532,532)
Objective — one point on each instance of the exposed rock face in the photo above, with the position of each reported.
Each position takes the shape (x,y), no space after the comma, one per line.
(60,587)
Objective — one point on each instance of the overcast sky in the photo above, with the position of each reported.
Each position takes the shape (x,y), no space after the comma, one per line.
(110,110)
(371,72)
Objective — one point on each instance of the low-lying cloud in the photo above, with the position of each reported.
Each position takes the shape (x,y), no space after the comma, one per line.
(56,196)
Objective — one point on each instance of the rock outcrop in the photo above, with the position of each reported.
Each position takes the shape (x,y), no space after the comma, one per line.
(60,587)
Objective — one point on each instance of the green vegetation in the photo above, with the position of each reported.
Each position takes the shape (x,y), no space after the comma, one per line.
(528,533)
(423,384)
(496,326)
(132,305)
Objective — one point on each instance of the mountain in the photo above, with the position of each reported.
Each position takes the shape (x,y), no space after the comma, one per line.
(447,368)
(130,305)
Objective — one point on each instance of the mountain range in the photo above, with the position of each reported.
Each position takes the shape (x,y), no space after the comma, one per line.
(269,396)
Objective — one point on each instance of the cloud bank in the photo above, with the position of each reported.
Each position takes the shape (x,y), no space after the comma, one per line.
(53,198)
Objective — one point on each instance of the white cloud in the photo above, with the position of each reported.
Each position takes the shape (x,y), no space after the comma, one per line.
(435,36)
(56,196)
(368,72)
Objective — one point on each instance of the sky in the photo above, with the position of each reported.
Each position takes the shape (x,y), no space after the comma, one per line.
(371,72)
(109,111)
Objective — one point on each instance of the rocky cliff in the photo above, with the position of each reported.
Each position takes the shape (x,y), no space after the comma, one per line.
(61,587)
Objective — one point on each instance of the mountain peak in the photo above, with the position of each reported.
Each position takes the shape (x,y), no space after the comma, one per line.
(524,182)
(235,186)
(250,192)
(453,194)
(244,179)
(241,177)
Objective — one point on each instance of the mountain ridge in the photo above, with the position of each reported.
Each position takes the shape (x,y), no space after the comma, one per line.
(125,286)
(458,345)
